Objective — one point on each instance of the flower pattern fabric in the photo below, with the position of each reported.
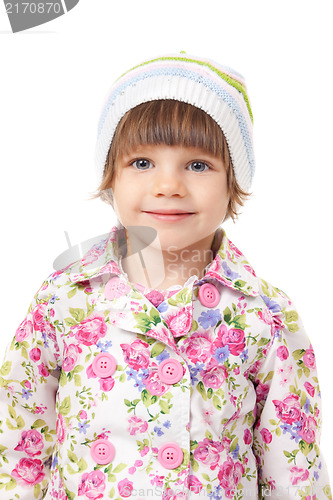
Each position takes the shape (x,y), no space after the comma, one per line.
(246,411)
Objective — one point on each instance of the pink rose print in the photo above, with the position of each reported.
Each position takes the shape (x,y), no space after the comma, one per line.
(43,371)
(233,338)
(31,443)
(282,353)
(208,452)
(247,437)
(61,428)
(39,314)
(298,474)
(137,425)
(93,254)
(40,409)
(154,384)
(118,289)
(266,435)
(90,372)
(309,358)
(308,430)
(214,377)
(229,475)
(262,391)
(162,334)
(226,442)
(253,368)
(278,323)
(194,484)
(41,324)
(155,297)
(35,354)
(180,322)
(136,354)
(250,270)
(50,331)
(266,316)
(215,265)
(71,355)
(173,494)
(125,488)
(106,384)
(29,471)
(266,349)
(83,415)
(144,451)
(199,347)
(24,331)
(235,250)
(92,485)
(156,480)
(91,329)
(310,389)
(288,410)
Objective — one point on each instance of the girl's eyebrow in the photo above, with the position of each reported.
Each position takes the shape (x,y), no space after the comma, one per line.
(133,152)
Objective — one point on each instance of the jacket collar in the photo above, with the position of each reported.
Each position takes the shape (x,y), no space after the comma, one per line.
(229,267)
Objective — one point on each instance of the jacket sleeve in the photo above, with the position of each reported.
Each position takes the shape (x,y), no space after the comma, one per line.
(288,423)
(28,385)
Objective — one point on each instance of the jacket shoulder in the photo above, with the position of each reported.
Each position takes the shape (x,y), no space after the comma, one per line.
(51,287)
(280,305)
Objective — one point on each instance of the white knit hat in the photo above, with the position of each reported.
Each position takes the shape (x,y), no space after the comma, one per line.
(218,90)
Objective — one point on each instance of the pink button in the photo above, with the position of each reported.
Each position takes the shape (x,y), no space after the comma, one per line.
(102,451)
(170,371)
(111,288)
(104,365)
(170,455)
(209,295)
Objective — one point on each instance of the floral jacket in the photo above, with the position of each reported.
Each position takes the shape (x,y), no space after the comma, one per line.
(212,394)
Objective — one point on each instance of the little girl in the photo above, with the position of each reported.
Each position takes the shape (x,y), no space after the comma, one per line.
(159,365)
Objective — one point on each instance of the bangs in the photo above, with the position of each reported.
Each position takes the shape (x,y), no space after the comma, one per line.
(168,122)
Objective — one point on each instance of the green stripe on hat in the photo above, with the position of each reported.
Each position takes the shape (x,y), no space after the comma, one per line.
(231,81)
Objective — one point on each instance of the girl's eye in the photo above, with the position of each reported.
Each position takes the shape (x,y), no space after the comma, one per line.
(141,164)
(198,166)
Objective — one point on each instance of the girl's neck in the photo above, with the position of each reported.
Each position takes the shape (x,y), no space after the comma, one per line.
(158,269)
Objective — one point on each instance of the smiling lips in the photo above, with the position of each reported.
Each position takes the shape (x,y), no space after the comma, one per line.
(169,214)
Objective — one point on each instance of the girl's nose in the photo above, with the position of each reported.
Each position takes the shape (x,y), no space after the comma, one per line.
(168,183)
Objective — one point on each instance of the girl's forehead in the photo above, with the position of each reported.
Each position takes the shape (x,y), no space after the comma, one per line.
(165,148)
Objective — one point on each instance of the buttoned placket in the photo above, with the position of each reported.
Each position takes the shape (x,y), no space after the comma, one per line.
(130,301)
(169,454)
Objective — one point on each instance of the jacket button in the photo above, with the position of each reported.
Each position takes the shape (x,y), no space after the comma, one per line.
(110,290)
(170,455)
(104,365)
(209,295)
(170,371)
(102,451)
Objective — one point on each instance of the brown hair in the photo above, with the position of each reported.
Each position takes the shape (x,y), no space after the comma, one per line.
(172,123)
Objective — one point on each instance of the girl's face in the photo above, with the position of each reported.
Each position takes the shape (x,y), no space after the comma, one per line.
(172,179)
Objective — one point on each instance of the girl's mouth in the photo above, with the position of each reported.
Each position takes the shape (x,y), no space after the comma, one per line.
(170,217)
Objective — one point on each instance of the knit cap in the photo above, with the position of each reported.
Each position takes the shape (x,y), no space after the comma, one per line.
(218,90)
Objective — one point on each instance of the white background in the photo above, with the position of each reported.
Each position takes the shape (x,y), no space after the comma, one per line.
(53,82)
